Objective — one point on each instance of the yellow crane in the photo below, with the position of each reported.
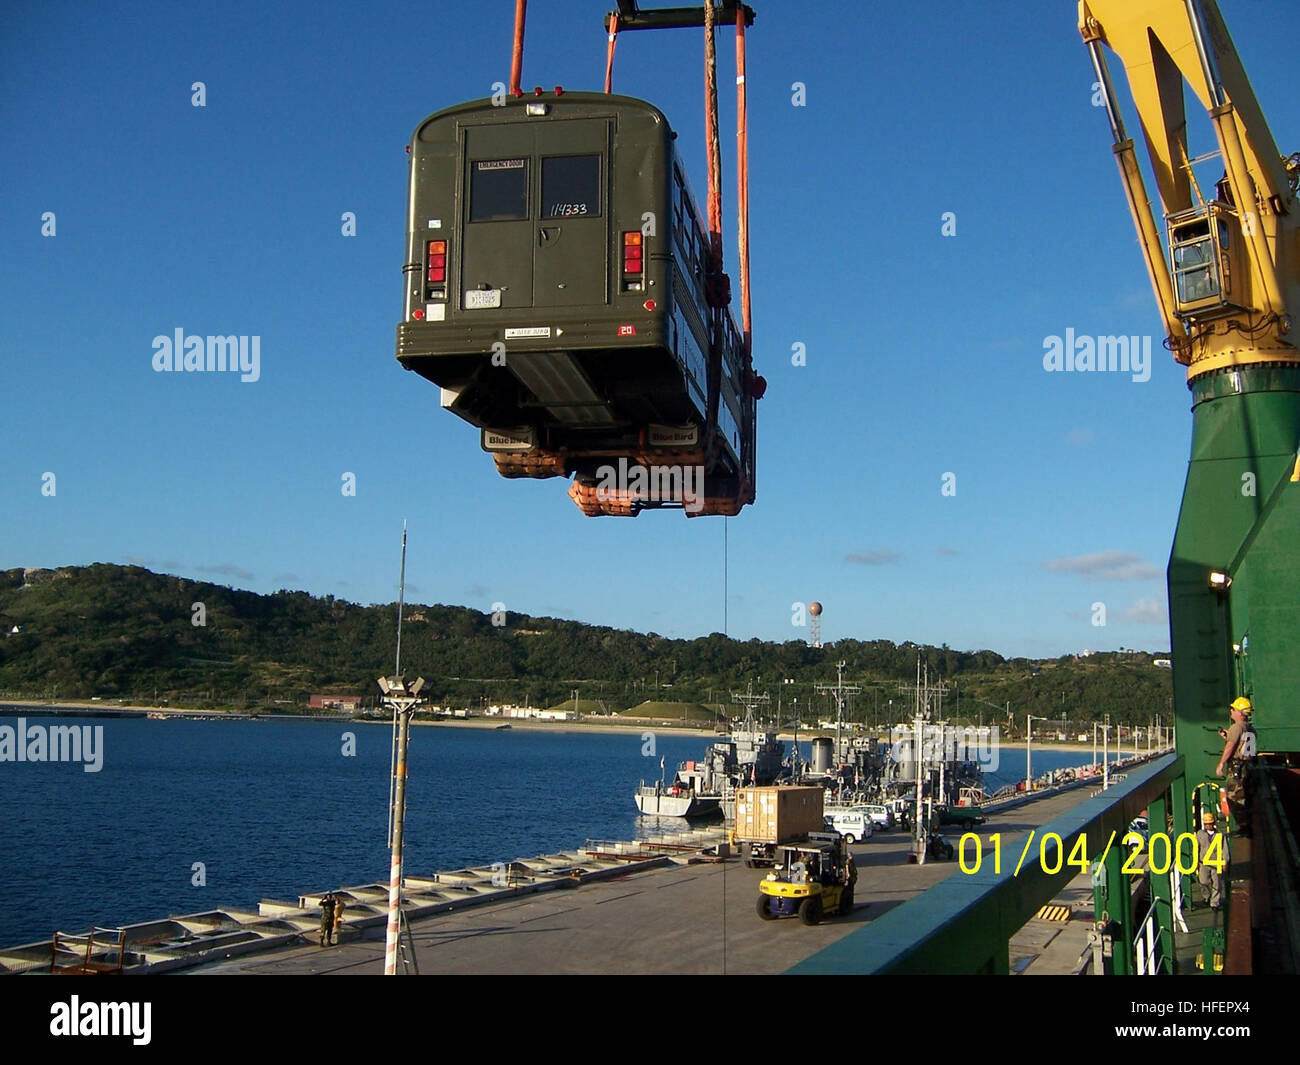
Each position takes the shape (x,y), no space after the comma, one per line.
(1227,284)
(1230,287)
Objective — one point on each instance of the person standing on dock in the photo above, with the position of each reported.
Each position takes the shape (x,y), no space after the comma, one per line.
(327,918)
(1210,876)
(338,915)
(1238,756)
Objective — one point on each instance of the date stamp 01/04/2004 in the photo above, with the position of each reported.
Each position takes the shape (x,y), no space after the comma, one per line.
(1161,851)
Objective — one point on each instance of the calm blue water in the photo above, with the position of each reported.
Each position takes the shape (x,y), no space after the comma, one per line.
(1011,763)
(274,809)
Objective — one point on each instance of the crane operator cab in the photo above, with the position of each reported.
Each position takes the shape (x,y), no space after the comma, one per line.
(1210,278)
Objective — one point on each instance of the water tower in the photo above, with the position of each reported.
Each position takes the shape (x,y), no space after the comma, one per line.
(815,626)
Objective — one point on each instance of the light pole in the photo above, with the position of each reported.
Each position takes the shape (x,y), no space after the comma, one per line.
(402,700)
(1105,754)
(1029,744)
(795,762)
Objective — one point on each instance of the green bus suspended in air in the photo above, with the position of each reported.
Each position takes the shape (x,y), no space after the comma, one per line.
(557,290)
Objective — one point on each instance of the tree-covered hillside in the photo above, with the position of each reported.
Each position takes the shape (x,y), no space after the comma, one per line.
(126,632)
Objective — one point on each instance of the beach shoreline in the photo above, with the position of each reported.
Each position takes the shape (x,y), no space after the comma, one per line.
(590,726)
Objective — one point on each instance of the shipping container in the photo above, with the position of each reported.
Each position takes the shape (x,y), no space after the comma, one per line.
(778,814)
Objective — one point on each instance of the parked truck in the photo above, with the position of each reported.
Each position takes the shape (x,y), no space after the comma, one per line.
(768,817)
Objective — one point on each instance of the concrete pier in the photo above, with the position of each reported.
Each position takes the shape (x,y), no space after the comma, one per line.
(684,916)
(673,904)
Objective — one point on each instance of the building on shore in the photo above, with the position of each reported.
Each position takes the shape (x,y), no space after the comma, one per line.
(335,702)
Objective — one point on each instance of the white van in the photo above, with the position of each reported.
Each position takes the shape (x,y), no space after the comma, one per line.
(882,816)
(854,823)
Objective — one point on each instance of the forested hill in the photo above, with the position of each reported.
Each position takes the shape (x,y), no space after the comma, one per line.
(126,632)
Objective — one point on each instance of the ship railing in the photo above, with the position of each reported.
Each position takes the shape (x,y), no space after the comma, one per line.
(964,924)
(1150,959)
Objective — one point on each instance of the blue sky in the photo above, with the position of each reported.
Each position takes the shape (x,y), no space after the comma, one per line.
(924,352)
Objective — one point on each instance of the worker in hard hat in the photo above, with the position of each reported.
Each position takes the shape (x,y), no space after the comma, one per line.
(1209,876)
(1238,756)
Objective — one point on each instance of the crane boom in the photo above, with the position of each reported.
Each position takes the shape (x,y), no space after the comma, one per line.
(1227,283)
(1229,288)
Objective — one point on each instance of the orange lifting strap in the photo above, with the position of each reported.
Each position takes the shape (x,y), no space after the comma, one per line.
(609,57)
(711,137)
(517,57)
(742,183)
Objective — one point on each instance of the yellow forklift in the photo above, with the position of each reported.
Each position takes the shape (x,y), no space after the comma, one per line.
(812,878)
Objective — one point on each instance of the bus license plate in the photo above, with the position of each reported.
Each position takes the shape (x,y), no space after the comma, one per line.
(477,298)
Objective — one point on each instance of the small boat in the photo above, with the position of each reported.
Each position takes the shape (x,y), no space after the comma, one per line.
(500,727)
(674,800)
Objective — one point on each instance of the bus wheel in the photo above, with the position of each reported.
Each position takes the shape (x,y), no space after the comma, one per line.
(849,840)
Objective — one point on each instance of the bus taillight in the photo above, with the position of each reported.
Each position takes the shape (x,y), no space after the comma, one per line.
(632,268)
(632,252)
(436,270)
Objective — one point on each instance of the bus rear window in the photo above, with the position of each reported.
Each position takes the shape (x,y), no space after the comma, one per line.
(570,186)
(498,190)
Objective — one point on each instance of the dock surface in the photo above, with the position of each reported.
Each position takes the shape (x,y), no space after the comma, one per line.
(684,918)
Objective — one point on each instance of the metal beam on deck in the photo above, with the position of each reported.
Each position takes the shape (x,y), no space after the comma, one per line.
(963,924)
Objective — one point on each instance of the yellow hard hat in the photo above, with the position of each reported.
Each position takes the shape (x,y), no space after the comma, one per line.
(1243,704)
(1208,817)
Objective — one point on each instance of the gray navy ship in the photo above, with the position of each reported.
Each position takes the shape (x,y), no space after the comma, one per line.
(751,755)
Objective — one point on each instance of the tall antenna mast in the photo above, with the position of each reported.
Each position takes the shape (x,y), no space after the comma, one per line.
(401,597)
(839,690)
(402,698)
